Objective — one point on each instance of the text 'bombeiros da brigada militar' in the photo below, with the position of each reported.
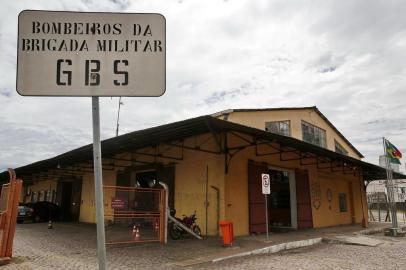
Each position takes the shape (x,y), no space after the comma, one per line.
(81,36)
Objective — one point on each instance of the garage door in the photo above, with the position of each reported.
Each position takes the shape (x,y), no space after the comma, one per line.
(304,207)
(257,222)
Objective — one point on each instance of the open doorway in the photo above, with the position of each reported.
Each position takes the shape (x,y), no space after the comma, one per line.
(279,204)
(145,201)
(282,205)
(146,179)
(66,199)
(69,193)
(143,177)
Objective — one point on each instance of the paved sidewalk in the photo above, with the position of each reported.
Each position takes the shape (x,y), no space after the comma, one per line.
(73,246)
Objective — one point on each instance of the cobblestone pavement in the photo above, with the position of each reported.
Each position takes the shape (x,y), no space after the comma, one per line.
(390,255)
(72,246)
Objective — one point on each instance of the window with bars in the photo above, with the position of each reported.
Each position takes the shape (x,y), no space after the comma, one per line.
(313,134)
(340,149)
(278,127)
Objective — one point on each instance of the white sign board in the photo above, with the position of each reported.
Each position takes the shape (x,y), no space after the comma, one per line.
(91,54)
(266,184)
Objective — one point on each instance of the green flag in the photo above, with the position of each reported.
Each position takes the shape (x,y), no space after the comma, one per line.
(392,153)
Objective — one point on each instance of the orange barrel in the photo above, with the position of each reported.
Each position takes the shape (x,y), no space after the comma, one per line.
(227,232)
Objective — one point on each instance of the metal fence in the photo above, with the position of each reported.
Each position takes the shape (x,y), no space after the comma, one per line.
(5,190)
(9,199)
(134,215)
(4,197)
(379,208)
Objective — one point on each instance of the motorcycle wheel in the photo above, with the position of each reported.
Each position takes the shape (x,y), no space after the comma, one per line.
(174,232)
(196,230)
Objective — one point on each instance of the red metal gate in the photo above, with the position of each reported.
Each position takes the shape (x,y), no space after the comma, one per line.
(134,215)
(304,206)
(9,200)
(257,222)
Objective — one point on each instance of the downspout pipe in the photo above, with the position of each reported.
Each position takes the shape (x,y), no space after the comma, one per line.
(165,186)
(173,219)
(218,208)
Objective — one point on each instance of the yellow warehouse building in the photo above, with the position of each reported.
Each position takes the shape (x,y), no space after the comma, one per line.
(213,165)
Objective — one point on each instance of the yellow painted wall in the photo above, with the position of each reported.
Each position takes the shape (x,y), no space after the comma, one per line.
(88,205)
(329,213)
(190,187)
(360,197)
(257,119)
(338,183)
(190,184)
(236,191)
(236,187)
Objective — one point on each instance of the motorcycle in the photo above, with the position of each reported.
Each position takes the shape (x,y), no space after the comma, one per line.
(176,232)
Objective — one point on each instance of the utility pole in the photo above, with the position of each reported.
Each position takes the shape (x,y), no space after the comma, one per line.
(118,115)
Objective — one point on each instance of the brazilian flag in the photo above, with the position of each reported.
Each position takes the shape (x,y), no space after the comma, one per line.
(393,154)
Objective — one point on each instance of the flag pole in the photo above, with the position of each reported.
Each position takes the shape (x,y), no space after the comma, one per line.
(389,187)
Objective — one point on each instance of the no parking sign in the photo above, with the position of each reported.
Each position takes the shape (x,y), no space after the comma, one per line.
(266,184)
(266,189)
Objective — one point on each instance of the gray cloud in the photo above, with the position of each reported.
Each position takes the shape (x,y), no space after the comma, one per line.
(345,57)
(5,92)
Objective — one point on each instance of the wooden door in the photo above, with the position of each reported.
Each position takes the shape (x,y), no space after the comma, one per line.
(256,200)
(304,206)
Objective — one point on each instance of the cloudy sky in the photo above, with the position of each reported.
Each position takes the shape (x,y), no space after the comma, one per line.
(345,57)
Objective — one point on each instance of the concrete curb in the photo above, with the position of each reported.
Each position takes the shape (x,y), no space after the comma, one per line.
(380,230)
(273,249)
(373,231)
(357,240)
(293,245)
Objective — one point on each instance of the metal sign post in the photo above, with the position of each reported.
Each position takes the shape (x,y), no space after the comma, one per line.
(91,54)
(98,185)
(266,189)
(266,216)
